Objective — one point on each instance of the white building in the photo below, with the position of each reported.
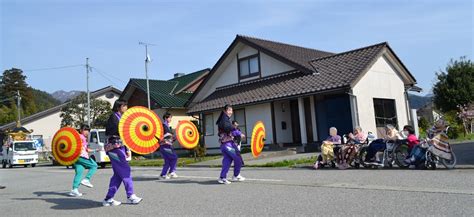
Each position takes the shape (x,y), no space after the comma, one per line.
(299,93)
(45,124)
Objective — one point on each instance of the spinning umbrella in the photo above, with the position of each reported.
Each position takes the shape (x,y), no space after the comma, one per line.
(187,134)
(258,138)
(141,130)
(66,146)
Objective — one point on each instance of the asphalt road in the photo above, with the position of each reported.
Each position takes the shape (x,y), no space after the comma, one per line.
(42,191)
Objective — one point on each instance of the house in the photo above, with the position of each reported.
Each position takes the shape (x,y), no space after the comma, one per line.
(165,95)
(45,124)
(299,93)
(429,113)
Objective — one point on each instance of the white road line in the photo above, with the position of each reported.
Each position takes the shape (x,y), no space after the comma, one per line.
(212,178)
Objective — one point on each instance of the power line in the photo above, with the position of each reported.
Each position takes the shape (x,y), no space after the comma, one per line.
(52,68)
(107,74)
(108,79)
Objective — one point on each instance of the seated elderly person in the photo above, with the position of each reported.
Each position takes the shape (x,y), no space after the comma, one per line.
(348,152)
(391,134)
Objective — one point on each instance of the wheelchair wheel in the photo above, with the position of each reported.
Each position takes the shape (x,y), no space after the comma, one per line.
(401,153)
(449,164)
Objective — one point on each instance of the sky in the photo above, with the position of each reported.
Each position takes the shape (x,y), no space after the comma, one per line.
(51,39)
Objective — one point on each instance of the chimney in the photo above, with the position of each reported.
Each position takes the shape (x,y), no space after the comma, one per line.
(177,75)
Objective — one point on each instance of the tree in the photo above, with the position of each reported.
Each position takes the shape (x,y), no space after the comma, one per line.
(11,82)
(455,86)
(75,112)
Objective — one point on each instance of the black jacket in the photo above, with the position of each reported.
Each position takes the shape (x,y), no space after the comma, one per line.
(224,124)
(111,129)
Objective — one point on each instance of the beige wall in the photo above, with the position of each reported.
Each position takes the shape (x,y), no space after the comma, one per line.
(283,113)
(381,81)
(177,115)
(227,73)
(48,125)
(261,112)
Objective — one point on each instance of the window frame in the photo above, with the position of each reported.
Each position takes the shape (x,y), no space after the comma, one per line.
(244,141)
(248,58)
(384,102)
(205,123)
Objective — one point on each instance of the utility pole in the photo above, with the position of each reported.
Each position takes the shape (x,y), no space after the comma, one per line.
(147,59)
(18,104)
(88,95)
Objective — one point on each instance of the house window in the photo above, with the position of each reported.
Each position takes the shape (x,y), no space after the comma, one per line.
(239,116)
(249,66)
(385,112)
(208,125)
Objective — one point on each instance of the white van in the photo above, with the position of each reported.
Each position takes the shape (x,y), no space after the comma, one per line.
(19,153)
(96,142)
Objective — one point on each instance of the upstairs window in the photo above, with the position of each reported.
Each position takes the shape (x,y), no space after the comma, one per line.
(249,67)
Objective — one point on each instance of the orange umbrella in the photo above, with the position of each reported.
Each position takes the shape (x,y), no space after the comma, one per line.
(187,134)
(258,138)
(66,146)
(141,130)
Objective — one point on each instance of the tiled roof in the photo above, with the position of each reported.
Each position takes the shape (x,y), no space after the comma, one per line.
(300,56)
(328,73)
(169,93)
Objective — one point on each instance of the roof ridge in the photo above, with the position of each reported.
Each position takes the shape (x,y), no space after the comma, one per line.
(350,51)
(277,42)
(192,73)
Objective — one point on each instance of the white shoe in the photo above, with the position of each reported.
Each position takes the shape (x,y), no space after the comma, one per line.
(111,202)
(134,199)
(223,181)
(238,178)
(164,177)
(75,193)
(173,175)
(87,183)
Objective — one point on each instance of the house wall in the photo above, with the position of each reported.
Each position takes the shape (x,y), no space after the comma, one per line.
(283,114)
(261,112)
(47,127)
(381,81)
(177,115)
(228,74)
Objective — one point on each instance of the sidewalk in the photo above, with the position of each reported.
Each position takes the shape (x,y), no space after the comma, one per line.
(265,157)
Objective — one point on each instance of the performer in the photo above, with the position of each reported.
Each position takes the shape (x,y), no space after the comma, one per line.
(84,162)
(167,151)
(238,136)
(118,154)
(228,148)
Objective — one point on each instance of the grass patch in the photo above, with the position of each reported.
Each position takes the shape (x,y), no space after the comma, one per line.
(287,163)
(468,137)
(182,161)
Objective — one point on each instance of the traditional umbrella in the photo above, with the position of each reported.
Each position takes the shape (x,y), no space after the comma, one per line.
(187,134)
(258,138)
(66,146)
(141,130)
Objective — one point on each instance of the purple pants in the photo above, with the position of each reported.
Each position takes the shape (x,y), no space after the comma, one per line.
(170,157)
(122,172)
(230,153)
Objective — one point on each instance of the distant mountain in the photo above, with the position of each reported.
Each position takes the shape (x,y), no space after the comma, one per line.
(417,102)
(43,100)
(63,96)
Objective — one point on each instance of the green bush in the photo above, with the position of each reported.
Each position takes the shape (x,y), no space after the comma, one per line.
(456,128)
